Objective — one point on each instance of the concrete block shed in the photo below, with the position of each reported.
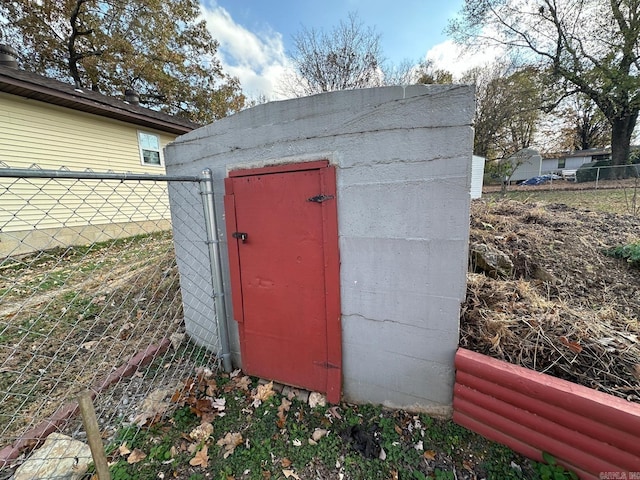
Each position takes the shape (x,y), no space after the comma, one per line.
(344,221)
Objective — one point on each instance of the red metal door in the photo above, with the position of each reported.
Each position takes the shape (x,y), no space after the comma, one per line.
(283,253)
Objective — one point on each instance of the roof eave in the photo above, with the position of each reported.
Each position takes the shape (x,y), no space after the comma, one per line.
(60,98)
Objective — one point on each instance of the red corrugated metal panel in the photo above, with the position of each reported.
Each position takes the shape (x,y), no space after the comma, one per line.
(587,431)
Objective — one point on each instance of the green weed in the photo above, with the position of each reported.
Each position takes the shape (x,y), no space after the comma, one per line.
(551,470)
(630,253)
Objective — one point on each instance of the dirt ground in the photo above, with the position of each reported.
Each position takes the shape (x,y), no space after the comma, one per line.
(567,309)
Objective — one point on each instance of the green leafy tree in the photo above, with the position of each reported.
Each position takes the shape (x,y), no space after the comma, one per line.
(508,107)
(158,48)
(427,73)
(589,46)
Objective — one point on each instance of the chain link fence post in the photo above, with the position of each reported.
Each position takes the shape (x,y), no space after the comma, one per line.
(213,242)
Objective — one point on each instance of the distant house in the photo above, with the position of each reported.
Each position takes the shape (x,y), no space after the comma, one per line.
(574,159)
(525,164)
(49,124)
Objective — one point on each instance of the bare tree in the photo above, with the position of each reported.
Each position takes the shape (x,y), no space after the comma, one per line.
(588,127)
(590,46)
(347,57)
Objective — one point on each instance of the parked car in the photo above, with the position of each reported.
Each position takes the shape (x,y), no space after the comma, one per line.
(541,179)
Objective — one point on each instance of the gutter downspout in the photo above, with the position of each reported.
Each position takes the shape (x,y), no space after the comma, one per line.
(206,190)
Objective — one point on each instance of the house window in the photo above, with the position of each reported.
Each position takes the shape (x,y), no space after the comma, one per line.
(562,162)
(150,153)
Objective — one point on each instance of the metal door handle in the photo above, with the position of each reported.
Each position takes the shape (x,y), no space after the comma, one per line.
(241,235)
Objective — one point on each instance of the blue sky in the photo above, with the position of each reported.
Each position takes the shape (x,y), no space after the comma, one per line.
(256,35)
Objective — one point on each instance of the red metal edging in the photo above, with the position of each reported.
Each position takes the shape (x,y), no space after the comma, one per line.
(587,431)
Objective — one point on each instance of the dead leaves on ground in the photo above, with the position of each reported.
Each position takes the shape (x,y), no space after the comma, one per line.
(202,432)
(153,407)
(199,393)
(262,394)
(282,412)
(575,347)
(229,443)
(208,401)
(200,459)
(136,456)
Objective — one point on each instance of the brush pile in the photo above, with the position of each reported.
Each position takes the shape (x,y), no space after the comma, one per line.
(564,308)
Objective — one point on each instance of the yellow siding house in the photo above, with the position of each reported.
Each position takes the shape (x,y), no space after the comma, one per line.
(52,125)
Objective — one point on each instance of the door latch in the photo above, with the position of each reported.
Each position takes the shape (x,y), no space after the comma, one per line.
(240,235)
(320,198)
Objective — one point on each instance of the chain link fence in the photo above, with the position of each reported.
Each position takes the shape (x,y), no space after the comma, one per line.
(617,187)
(90,299)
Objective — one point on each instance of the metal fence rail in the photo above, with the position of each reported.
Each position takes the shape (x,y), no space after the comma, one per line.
(90,299)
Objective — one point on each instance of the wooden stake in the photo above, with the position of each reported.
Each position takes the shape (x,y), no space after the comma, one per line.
(93,435)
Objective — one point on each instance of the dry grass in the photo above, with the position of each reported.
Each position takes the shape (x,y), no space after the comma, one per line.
(580,320)
(70,316)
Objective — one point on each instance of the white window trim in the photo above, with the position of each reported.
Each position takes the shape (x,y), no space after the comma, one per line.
(141,153)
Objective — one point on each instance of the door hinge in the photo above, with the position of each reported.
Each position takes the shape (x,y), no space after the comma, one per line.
(326,365)
(320,198)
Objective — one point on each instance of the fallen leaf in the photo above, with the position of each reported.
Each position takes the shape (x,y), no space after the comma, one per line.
(219,404)
(282,412)
(296,442)
(243,383)
(173,451)
(136,456)
(290,473)
(229,442)
(286,463)
(334,412)
(123,449)
(201,458)
(467,466)
(125,331)
(383,454)
(419,446)
(235,373)
(397,429)
(202,432)
(573,346)
(193,447)
(429,454)
(176,339)
(394,475)
(89,345)
(263,393)
(317,399)
(152,406)
(318,433)
(211,387)
(636,371)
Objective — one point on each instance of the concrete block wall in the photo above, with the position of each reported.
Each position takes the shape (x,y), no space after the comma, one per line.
(403,159)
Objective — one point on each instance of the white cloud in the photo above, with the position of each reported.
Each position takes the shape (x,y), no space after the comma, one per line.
(257,59)
(452,57)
